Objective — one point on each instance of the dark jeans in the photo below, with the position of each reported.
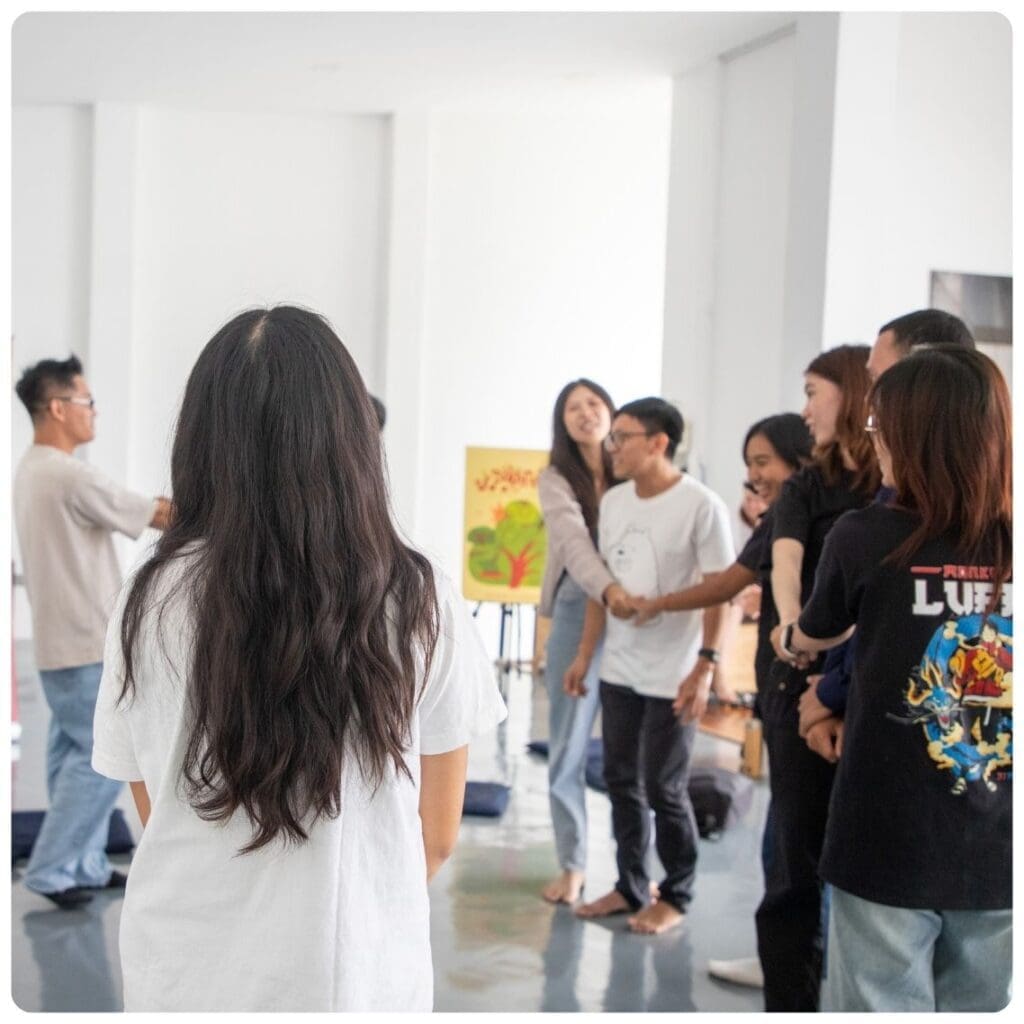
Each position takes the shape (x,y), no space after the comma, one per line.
(789,933)
(647,765)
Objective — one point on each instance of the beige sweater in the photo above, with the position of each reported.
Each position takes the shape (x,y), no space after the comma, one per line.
(570,548)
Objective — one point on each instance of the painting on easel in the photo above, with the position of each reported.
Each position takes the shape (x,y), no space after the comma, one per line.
(504,538)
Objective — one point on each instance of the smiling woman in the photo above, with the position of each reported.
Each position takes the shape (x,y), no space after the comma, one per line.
(570,489)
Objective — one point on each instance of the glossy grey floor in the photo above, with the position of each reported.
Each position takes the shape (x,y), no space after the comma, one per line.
(497,946)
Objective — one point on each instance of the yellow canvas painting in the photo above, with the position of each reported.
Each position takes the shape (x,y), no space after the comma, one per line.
(504,539)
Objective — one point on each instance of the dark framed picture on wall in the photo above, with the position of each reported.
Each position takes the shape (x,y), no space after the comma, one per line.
(985,303)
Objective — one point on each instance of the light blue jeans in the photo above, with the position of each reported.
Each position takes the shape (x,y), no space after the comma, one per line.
(571,721)
(70,850)
(893,959)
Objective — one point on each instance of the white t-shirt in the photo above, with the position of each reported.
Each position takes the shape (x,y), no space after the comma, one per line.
(655,546)
(340,922)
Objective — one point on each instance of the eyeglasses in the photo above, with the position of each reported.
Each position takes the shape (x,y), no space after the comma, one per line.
(87,403)
(871,427)
(615,438)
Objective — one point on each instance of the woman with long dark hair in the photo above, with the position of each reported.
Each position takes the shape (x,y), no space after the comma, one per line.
(289,689)
(918,849)
(843,476)
(570,491)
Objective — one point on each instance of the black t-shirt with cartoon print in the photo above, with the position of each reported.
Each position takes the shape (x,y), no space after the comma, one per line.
(921,807)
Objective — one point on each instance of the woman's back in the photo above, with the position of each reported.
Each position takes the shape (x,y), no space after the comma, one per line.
(338,922)
(273,675)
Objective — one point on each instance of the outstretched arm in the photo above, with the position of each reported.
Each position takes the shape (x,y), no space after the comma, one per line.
(716,588)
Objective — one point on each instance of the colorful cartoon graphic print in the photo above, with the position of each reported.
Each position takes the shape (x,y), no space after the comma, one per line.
(961,694)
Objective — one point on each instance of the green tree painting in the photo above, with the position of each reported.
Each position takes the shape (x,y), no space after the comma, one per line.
(511,553)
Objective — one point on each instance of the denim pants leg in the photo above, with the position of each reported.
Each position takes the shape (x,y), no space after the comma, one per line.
(570,722)
(894,959)
(71,847)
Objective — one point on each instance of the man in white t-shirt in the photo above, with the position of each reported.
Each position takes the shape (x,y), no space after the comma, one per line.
(659,532)
(65,511)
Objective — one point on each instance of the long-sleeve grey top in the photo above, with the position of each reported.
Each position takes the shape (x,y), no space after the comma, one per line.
(570,548)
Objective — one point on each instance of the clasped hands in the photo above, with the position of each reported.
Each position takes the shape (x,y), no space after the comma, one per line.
(624,605)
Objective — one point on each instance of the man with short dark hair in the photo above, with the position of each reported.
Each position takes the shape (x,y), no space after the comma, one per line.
(66,511)
(899,337)
(659,532)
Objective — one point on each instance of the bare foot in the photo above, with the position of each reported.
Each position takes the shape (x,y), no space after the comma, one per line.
(655,892)
(566,888)
(611,903)
(656,918)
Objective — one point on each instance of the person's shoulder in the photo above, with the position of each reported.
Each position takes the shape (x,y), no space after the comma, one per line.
(43,466)
(550,475)
(691,489)
(551,483)
(806,479)
(862,530)
(618,493)
(445,590)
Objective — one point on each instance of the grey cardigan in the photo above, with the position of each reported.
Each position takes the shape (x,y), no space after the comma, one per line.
(570,548)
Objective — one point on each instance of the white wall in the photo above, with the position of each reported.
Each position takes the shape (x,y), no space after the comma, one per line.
(843,164)
(236,210)
(731,142)
(50,190)
(545,262)
(190,217)
(933,162)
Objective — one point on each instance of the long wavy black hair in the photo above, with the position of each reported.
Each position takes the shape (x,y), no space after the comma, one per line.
(310,614)
(568,460)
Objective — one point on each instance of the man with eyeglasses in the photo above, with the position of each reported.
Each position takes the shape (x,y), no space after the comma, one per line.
(66,512)
(659,532)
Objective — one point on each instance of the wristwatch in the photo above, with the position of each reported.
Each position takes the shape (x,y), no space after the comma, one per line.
(710,654)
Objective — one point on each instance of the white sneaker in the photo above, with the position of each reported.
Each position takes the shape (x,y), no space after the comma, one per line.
(744,971)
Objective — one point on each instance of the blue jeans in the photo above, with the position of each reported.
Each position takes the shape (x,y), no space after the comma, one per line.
(894,959)
(571,721)
(70,850)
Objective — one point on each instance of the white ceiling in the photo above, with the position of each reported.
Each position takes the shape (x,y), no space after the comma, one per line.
(366,63)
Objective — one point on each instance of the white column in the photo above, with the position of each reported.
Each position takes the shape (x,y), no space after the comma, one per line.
(863,173)
(111,287)
(809,192)
(687,362)
(404,434)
